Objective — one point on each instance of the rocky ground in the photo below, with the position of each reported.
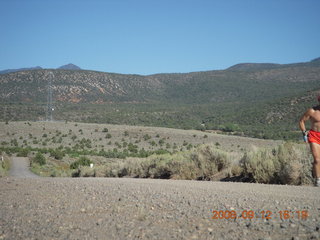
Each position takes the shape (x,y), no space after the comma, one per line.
(125,208)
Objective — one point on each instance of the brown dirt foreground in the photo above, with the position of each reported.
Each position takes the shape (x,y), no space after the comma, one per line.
(124,208)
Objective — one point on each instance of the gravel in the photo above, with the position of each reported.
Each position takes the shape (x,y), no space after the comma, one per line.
(126,208)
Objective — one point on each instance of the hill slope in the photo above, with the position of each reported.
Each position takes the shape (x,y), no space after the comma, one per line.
(262,82)
(247,95)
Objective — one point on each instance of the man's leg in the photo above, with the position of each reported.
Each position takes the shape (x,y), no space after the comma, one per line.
(315,149)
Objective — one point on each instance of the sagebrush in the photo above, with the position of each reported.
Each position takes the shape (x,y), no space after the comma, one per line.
(288,164)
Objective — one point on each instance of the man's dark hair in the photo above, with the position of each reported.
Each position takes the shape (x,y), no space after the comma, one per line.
(316,108)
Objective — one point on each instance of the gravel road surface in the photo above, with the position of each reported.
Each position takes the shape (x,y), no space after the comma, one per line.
(125,208)
(20,168)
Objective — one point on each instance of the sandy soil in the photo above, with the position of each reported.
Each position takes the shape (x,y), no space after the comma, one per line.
(111,208)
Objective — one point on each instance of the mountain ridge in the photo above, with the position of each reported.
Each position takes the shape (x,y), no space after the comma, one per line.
(19,69)
(263,66)
(261,100)
(69,66)
(249,80)
(237,67)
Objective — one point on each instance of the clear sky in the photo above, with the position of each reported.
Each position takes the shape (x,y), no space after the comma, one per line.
(157,36)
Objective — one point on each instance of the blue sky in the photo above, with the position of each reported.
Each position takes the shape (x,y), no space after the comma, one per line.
(157,36)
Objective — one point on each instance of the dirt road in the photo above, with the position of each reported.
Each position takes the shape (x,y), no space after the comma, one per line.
(20,168)
(111,208)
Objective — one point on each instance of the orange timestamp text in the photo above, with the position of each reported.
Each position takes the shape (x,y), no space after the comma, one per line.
(263,214)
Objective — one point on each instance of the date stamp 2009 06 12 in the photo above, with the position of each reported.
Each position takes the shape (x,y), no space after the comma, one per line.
(263,214)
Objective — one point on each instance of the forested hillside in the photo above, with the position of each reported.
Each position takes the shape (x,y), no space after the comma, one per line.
(261,100)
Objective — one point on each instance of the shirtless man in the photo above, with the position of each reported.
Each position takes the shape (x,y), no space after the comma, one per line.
(313,137)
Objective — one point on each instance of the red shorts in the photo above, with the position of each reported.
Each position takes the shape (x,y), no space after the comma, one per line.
(314,137)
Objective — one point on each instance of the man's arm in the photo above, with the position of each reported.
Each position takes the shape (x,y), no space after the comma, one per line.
(306,116)
(303,119)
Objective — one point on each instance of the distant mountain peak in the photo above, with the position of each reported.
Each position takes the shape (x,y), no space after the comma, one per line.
(316,60)
(19,69)
(70,66)
(253,66)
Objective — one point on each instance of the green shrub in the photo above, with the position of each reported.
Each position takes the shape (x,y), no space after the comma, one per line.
(57,154)
(23,152)
(108,136)
(230,127)
(146,137)
(14,142)
(133,148)
(161,142)
(83,161)
(39,159)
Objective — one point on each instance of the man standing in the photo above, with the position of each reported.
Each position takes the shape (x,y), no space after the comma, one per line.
(313,137)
